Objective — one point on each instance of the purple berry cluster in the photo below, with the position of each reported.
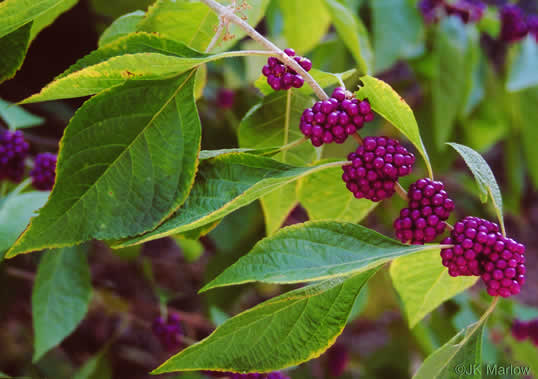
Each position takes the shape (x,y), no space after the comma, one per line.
(466,10)
(503,267)
(281,77)
(513,24)
(44,172)
(231,375)
(335,119)
(424,219)
(13,151)
(522,330)
(479,249)
(470,237)
(375,168)
(168,331)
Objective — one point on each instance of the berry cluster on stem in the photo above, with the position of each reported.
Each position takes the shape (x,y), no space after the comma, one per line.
(281,77)
(335,119)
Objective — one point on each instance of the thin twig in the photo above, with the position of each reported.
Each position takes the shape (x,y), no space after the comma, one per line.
(358,138)
(401,191)
(293,144)
(216,37)
(227,15)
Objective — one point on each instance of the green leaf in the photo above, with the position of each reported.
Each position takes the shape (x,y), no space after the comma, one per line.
(305,23)
(122,26)
(17,117)
(275,122)
(17,13)
(527,120)
(456,54)
(484,177)
(16,43)
(15,213)
(136,57)
(423,283)
(353,32)
(398,32)
(393,108)
(223,184)
(523,73)
(217,316)
(278,205)
(193,23)
(284,331)
(127,162)
(325,197)
(324,79)
(191,249)
(457,357)
(60,298)
(314,251)
(115,9)
(525,352)
(97,367)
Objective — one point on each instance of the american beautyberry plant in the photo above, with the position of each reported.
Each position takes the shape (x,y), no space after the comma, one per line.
(322,142)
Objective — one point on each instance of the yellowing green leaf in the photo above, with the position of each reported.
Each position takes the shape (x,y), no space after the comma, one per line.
(305,23)
(223,184)
(325,197)
(393,108)
(284,331)
(314,251)
(354,34)
(423,283)
(126,163)
(60,298)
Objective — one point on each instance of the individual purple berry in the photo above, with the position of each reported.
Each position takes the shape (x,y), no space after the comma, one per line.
(281,77)
(225,98)
(513,25)
(335,119)
(471,237)
(503,266)
(13,151)
(434,206)
(44,172)
(466,10)
(431,10)
(373,172)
